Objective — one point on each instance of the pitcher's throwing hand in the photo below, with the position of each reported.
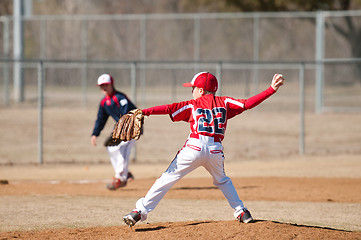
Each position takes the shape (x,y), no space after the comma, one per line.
(277,81)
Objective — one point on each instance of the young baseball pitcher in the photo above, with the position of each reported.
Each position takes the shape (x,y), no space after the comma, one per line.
(207,115)
(114,104)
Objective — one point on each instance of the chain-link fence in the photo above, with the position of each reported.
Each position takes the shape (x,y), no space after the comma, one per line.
(150,56)
(224,37)
(55,121)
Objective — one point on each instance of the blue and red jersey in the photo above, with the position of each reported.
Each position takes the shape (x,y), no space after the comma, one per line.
(208,115)
(115,106)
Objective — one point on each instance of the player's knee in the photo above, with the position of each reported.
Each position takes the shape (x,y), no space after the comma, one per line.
(221,181)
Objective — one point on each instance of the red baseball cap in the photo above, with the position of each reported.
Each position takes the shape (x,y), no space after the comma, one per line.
(204,80)
(105,79)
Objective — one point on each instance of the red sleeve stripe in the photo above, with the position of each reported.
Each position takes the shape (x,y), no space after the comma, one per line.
(103,102)
(115,99)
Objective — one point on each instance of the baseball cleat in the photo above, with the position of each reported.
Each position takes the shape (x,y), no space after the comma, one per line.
(130,177)
(245,217)
(132,218)
(117,183)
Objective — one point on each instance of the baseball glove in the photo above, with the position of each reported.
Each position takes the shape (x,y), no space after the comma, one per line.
(110,142)
(129,126)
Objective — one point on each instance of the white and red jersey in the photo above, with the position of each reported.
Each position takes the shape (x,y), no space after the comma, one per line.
(208,115)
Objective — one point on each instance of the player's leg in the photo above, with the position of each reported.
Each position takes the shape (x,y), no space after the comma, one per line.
(125,151)
(119,157)
(113,152)
(215,166)
(177,170)
(184,162)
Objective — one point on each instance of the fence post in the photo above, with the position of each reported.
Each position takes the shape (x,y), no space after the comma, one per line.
(18,51)
(84,54)
(143,57)
(302,109)
(133,85)
(196,42)
(40,110)
(319,60)
(133,81)
(255,52)
(6,65)
(219,78)
(43,39)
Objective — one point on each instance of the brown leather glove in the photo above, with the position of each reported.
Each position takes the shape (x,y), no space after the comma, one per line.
(129,126)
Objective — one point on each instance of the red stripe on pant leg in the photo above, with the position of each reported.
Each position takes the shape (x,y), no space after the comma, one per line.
(194,147)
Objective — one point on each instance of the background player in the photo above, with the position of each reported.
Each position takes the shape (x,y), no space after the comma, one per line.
(207,115)
(114,104)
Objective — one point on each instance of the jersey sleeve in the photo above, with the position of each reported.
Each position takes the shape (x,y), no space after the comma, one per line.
(181,111)
(124,105)
(237,106)
(176,111)
(101,121)
(234,106)
(257,99)
(157,110)
(130,106)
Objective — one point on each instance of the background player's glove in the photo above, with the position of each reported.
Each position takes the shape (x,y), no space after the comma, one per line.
(129,126)
(110,142)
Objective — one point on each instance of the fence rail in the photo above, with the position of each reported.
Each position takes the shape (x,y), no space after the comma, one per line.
(138,69)
(225,37)
(218,67)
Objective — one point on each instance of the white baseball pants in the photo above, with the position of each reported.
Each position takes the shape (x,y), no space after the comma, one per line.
(119,157)
(196,152)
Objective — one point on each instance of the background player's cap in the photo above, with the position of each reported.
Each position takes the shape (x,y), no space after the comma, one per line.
(105,79)
(204,80)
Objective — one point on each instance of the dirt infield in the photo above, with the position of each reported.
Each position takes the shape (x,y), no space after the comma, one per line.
(191,230)
(311,198)
(315,196)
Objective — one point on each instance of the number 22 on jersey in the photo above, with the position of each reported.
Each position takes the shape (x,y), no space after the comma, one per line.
(211,121)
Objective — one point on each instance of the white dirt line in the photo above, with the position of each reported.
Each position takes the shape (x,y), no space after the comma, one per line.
(79,181)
